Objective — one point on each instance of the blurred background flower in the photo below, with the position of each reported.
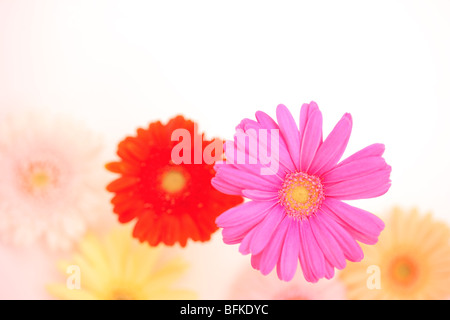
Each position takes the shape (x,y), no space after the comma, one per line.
(118,267)
(51,187)
(413,257)
(252,285)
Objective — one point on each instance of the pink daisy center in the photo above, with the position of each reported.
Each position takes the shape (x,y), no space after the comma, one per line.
(39,178)
(301,194)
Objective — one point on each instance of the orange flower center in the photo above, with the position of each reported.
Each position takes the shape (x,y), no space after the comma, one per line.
(404,271)
(173,181)
(122,294)
(301,194)
(39,177)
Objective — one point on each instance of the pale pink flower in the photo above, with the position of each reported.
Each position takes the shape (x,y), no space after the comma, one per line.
(52,185)
(297,214)
(252,285)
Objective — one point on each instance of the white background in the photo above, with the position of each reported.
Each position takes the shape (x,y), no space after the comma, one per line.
(122,64)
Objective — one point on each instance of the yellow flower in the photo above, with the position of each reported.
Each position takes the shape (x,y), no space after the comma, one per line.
(412,257)
(118,267)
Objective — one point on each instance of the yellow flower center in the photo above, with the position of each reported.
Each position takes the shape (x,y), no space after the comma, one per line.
(121,294)
(173,181)
(301,194)
(298,195)
(38,178)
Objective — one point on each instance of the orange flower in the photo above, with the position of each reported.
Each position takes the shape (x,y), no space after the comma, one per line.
(172,203)
(410,261)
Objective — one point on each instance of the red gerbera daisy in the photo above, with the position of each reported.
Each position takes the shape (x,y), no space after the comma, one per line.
(171,202)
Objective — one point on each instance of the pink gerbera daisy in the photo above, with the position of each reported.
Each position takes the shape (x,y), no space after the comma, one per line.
(296,213)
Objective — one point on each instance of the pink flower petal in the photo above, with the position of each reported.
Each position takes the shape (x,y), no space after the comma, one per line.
(352,251)
(256,261)
(271,254)
(254,169)
(329,270)
(243,156)
(285,160)
(266,228)
(265,120)
(313,262)
(311,140)
(277,153)
(245,180)
(290,133)
(260,195)
(354,169)
(246,124)
(223,186)
(235,234)
(246,242)
(243,213)
(374,150)
(327,243)
(305,113)
(304,263)
(363,187)
(287,265)
(332,149)
(362,225)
